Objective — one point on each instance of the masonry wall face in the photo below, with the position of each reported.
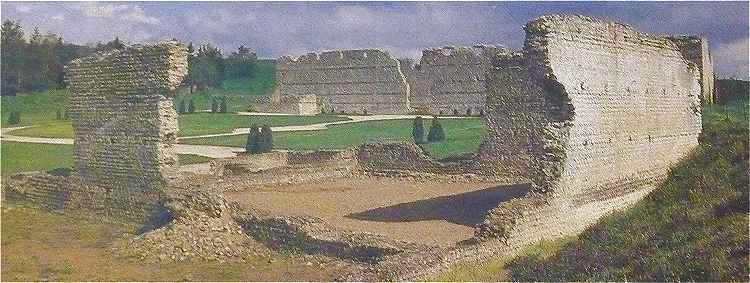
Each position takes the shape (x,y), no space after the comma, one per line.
(451,80)
(352,81)
(634,101)
(124,118)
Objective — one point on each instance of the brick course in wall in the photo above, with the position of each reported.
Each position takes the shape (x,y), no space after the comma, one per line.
(125,130)
(350,81)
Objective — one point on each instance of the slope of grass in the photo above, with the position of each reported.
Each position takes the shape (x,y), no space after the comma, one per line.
(694,227)
(18,157)
(495,270)
(462,136)
(44,246)
(193,124)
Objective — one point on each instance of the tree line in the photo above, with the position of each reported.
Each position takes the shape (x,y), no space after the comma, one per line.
(36,62)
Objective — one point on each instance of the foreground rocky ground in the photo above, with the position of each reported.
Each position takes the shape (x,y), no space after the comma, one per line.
(45,246)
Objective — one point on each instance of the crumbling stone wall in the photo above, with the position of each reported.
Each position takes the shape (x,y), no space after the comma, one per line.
(451,79)
(124,120)
(350,81)
(616,109)
(695,49)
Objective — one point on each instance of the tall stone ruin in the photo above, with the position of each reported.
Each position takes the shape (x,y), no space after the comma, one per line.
(125,123)
(594,113)
(349,81)
(451,79)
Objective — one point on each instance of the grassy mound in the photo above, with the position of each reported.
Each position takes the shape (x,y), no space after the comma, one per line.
(692,228)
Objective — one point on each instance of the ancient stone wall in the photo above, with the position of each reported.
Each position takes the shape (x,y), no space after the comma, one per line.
(124,120)
(451,80)
(618,108)
(350,81)
(696,50)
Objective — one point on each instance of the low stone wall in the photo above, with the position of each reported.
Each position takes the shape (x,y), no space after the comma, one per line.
(72,193)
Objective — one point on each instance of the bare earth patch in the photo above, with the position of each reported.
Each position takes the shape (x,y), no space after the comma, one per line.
(417,211)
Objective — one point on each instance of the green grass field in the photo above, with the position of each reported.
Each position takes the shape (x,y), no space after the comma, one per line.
(20,157)
(194,124)
(462,136)
(40,108)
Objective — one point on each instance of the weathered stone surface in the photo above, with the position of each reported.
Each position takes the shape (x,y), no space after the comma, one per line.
(124,120)
(350,81)
(609,110)
(451,80)
(695,49)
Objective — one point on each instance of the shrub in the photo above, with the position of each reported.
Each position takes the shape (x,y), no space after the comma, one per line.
(59,115)
(455,112)
(14,118)
(191,107)
(66,116)
(223,106)
(181,109)
(251,146)
(417,131)
(468,111)
(436,133)
(265,143)
(214,105)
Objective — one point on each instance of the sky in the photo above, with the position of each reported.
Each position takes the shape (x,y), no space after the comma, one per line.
(402,28)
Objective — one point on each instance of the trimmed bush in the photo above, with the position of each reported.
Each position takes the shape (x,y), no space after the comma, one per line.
(251,146)
(436,133)
(265,142)
(191,107)
(223,105)
(214,105)
(181,109)
(417,131)
(14,118)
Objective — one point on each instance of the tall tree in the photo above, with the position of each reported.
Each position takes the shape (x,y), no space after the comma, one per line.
(265,143)
(12,45)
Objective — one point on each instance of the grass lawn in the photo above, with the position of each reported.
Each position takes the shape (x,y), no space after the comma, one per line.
(21,157)
(207,123)
(40,108)
(36,108)
(43,246)
(462,136)
(194,124)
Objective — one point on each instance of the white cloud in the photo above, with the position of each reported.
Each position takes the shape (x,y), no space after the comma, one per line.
(58,17)
(131,13)
(731,59)
(23,8)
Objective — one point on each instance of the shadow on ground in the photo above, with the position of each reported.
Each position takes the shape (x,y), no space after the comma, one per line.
(463,209)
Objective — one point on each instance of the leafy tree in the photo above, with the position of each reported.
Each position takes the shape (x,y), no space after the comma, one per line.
(223,106)
(191,107)
(12,57)
(241,64)
(181,109)
(207,68)
(251,146)
(436,133)
(265,143)
(214,105)
(417,131)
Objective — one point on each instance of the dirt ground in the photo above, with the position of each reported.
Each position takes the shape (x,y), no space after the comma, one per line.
(432,213)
